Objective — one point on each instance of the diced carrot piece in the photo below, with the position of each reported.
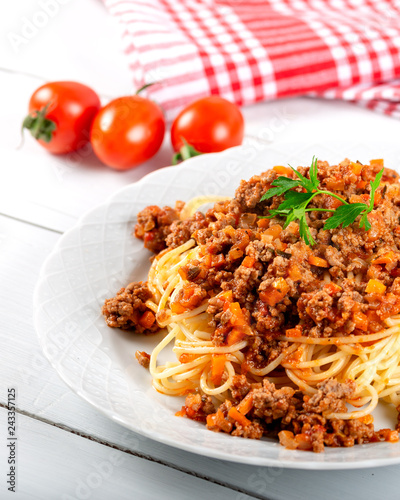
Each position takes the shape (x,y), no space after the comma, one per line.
(393,437)
(275,292)
(373,271)
(237,318)
(245,405)
(293,228)
(332,203)
(211,419)
(248,261)
(274,231)
(386,258)
(317,261)
(294,332)
(332,288)
(217,368)
(181,412)
(216,421)
(271,296)
(335,185)
(218,260)
(147,319)
(281,170)
(294,272)
(286,439)
(281,285)
(303,441)
(356,168)
(377,198)
(366,419)
(238,417)
(207,260)
(361,321)
(279,245)
(375,286)
(183,272)
(235,253)
(235,335)
(177,308)
(228,295)
(263,223)
(242,238)
(365,198)
(378,162)
(230,231)
(361,184)
(187,358)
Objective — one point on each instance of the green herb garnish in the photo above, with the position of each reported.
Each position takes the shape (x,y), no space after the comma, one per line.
(294,205)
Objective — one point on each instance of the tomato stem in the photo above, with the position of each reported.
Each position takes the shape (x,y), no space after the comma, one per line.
(187,151)
(145,86)
(38,125)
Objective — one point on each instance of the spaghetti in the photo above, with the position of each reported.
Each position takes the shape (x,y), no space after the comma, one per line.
(372,360)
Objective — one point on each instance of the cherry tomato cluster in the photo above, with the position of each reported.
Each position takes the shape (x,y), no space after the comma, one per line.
(65,116)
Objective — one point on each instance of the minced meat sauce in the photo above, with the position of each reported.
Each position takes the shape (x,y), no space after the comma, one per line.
(347,283)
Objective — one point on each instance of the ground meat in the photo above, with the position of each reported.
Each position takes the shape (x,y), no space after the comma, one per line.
(188,298)
(334,257)
(127,310)
(303,418)
(143,358)
(268,319)
(244,280)
(331,397)
(271,403)
(317,305)
(182,230)
(252,431)
(197,407)
(153,226)
(240,387)
(398,418)
(249,192)
(262,350)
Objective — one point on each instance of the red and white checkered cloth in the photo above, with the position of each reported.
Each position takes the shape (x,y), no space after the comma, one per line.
(255,50)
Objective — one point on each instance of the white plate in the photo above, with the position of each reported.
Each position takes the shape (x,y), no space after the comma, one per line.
(99,255)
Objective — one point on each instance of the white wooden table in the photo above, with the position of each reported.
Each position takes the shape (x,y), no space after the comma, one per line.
(66,449)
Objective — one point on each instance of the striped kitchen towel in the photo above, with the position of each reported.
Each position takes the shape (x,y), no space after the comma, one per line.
(255,50)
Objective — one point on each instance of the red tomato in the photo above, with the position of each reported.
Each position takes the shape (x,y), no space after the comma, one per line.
(127,132)
(209,125)
(60,115)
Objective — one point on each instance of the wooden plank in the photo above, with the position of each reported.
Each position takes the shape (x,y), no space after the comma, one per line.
(52,463)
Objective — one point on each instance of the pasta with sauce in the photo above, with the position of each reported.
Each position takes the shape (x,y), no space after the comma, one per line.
(271,335)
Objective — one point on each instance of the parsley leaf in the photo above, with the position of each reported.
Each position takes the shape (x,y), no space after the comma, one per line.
(364,222)
(374,187)
(282,184)
(345,215)
(294,205)
(304,182)
(293,198)
(313,173)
